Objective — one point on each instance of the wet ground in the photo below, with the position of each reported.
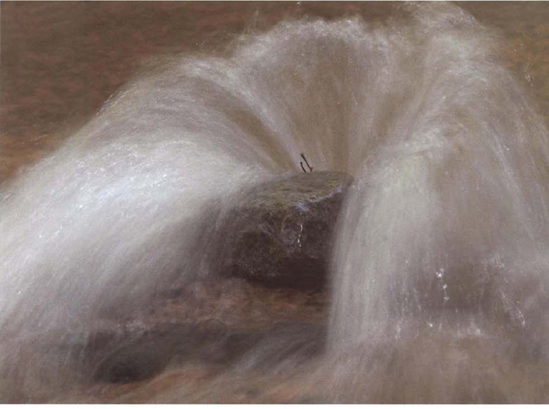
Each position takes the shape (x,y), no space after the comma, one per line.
(60,61)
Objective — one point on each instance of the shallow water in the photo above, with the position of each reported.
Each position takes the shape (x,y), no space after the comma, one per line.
(439,283)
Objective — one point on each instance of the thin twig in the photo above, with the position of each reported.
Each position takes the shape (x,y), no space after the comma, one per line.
(307,162)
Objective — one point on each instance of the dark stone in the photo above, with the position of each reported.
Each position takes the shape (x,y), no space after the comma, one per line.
(137,360)
(144,353)
(285,347)
(217,323)
(280,233)
(141,355)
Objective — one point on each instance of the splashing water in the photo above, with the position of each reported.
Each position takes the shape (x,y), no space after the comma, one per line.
(439,270)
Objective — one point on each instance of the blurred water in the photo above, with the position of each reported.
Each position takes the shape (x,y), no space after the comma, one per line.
(439,272)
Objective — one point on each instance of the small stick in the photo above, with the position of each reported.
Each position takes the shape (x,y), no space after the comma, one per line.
(301,163)
(310,168)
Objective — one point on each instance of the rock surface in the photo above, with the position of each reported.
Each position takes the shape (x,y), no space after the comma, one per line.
(280,234)
(144,354)
(217,323)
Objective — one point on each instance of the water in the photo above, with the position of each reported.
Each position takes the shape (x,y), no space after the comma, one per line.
(439,269)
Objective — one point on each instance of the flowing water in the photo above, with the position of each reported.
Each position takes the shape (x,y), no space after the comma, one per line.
(439,271)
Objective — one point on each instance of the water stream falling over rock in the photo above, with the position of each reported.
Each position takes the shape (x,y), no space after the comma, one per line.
(438,285)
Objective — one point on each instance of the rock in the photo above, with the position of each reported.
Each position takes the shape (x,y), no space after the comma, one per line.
(215,323)
(142,354)
(280,234)
(134,361)
(145,353)
(285,347)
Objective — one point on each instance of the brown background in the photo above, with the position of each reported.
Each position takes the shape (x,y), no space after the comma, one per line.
(60,61)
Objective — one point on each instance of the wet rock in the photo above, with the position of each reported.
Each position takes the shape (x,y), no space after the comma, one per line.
(137,356)
(136,361)
(285,347)
(144,353)
(280,234)
(215,323)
